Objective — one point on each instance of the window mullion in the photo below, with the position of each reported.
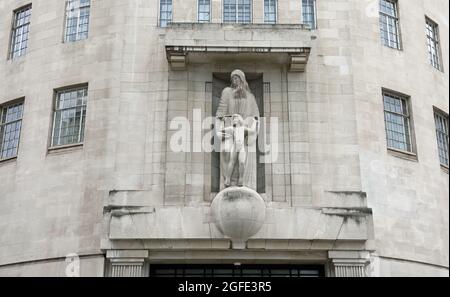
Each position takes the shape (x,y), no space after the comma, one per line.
(60,126)
(78,23)
(81,123)
(388,31)
(11,122)
(1,144)
(396,113)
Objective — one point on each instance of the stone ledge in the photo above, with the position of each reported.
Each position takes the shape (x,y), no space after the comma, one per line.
(189,223)
(178,56)
(218,26)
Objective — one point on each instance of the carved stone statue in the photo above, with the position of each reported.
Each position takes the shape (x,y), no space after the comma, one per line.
(237,126)
(238,211)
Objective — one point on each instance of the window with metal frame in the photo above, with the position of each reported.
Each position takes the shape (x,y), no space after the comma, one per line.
(309,13)
(224,270)
(270,11)
(10,129)
(165,12)
(434,50)
(398,122)
(389,24)
(204,11)
(20,32)
(441,121)
(69,116)
(237,11)
(77,20)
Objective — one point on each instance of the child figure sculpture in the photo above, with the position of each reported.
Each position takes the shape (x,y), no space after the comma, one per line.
(233,149)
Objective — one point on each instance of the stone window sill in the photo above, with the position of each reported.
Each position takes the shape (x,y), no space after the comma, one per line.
(8,160)
(403,155)
(55,150)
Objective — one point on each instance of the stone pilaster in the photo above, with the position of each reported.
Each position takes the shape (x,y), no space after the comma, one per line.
(126,263)
(349,263)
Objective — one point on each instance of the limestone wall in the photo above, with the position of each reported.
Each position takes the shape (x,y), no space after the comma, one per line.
(333,157)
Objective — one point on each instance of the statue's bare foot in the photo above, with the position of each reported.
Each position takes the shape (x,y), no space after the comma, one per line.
(240,183)
(227,183)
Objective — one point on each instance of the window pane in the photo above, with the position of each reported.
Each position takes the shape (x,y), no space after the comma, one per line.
(397,122)
(77,20)
(270,11)
(204,8)
(10,129)
(19,36)
(309,13)
(442,135)
(69,117)
(433,44)
(237,11)
(389,24)
(165,12)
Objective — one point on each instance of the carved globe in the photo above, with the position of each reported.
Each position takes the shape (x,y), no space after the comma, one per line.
(238,213)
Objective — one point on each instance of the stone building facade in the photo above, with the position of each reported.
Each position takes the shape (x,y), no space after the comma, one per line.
(118,200)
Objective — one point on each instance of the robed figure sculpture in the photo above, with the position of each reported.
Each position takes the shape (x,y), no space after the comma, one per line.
(237,126)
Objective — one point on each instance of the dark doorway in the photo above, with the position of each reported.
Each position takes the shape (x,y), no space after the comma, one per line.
(221,81)
(201,270)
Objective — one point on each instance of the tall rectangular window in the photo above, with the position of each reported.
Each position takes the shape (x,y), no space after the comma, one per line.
(77,20)
(165,12)
(434,48)
(237,11)
(20,32)
(270,11)
(10,127)
(398,122)
(309,13)
(69,116)
(389,24)
(204,11)
(441,121)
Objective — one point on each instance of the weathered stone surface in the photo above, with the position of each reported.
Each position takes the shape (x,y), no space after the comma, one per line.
(124,189)
(238,213)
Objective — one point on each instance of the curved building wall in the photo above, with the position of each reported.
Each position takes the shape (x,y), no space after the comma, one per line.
(409,196)
(57,203)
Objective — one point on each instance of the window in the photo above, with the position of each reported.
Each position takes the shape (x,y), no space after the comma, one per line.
(309,13)
(398,122)
(434,50)
(244,270)
(20,32)
(165,12)
(270,11)
(10,127)
(389,24)
(77,20)
(441,120)
(204,11)
(237,11)
(69,116)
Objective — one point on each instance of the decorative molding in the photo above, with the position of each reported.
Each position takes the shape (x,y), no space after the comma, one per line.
(298,62)
(126,263)
(349,263)
(177,61)
(296,57)
(127,269)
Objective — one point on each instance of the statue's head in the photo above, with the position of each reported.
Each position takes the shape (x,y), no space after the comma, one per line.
(239,83)
(237,78)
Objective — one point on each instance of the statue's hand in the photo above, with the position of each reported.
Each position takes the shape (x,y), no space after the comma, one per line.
(224,135)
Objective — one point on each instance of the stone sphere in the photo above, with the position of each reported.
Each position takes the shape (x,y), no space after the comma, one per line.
(238,213)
